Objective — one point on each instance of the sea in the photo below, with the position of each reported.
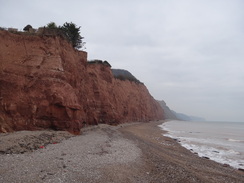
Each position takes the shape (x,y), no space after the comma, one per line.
(222,142)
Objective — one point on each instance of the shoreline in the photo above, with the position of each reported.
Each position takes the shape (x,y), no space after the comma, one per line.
(169,151)
(210,149)
(131,152)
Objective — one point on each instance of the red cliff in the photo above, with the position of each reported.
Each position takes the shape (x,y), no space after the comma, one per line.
(45,83)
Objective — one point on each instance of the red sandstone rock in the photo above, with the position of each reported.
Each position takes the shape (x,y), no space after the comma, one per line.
(45,83)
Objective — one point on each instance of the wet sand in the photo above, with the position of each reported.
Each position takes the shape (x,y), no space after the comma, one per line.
(135,152)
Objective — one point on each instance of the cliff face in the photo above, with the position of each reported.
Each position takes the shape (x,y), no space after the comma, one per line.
(168,113)
(45,83)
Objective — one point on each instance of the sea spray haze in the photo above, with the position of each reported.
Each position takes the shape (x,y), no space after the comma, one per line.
(220,141)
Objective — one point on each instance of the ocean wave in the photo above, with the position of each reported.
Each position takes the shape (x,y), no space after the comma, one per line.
(235,140)
(216,146)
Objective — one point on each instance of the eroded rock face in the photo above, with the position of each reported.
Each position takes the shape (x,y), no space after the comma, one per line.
(45,83)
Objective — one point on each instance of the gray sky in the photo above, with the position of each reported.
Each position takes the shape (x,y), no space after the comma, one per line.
(189,53)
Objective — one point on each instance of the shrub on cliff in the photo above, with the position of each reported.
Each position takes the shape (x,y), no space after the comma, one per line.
(72,32)
(52,25)
(99,62)
(27,28)
(124,75)
(69,31)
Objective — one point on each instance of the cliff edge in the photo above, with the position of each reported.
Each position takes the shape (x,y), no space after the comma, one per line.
(45,83)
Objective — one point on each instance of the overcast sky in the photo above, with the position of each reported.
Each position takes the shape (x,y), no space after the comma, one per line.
(189,53)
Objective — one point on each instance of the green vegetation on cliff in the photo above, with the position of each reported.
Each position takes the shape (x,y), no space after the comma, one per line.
(124,75)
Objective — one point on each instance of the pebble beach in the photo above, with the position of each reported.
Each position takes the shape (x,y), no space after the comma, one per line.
(132,152)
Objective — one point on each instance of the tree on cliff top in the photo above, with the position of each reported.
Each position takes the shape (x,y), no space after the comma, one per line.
(52,25)
(72,32)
